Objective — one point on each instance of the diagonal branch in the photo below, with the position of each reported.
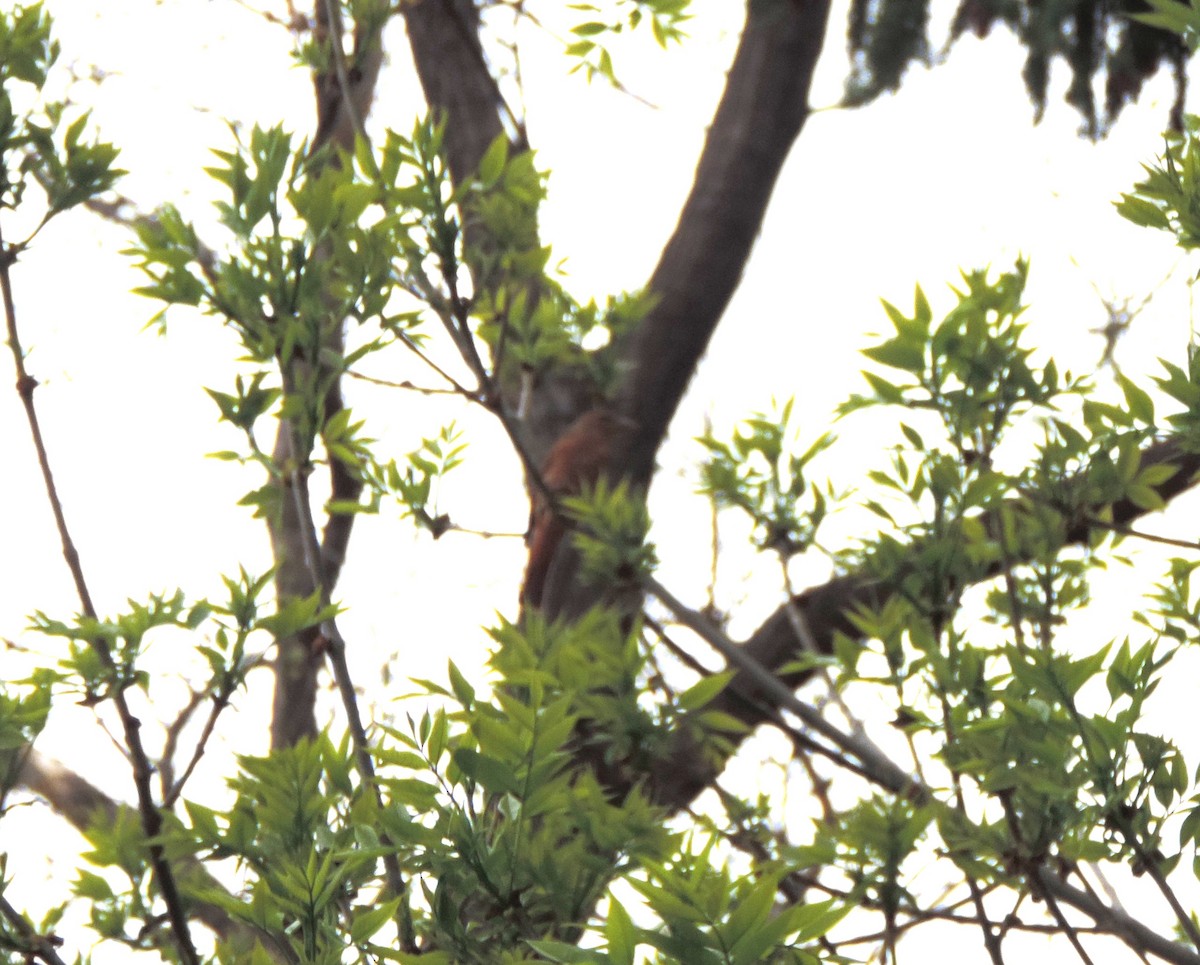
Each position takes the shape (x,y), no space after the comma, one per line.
(761,113)
(883,772)
(444,37)
(1136,935)
(682,775)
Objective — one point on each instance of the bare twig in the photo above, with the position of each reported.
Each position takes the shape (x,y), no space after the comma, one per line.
(680,653)
(456,386)
(166,763)
(1141,534)
(220,701)
(151,819)
(406,385)
(882,769)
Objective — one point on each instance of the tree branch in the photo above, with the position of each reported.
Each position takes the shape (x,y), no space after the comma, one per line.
(459,87)
(444,38)
(825,609)
(36,946)
(760,114)
(1116,921)
(343,96)
(83,805)
(882,771)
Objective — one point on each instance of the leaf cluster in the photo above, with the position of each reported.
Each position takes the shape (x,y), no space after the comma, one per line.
(1119,42)
(612,524)
(42,142)
(762,473)
(664,18)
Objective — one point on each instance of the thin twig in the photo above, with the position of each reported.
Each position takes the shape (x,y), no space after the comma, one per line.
(800,741)
(407,385)
(454,384)
(680,653)
(1139,534)
(151,819)
(220,701)
(883,770)
(335,650)
(166,763)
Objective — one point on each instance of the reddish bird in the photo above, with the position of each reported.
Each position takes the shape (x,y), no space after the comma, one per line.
(575,461)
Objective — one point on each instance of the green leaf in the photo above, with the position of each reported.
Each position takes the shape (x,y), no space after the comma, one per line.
(461,686)
(367,922)
(815,918)
(561,952)
(590,29)
(899,353)
(744,928)
(703,691)
(888,392)
(92,886)
(913,437)
(1144,497)
(494,775)
(1143,212)
(491,165)
(620,933)
(1141,407)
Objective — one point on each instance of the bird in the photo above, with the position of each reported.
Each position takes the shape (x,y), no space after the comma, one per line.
(576,461)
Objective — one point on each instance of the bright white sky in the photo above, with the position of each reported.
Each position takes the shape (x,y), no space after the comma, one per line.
(949,173)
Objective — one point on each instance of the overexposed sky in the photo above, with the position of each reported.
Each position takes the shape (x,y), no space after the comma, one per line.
(950,172)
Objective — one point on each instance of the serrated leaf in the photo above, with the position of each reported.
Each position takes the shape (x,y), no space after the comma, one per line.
(898,353)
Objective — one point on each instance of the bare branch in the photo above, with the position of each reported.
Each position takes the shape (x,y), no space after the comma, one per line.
(881,769)
(444,37)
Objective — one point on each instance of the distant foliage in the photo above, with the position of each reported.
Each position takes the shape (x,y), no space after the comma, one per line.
(1104,49)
